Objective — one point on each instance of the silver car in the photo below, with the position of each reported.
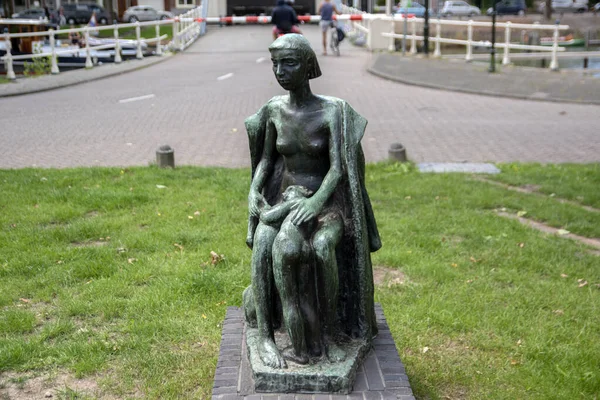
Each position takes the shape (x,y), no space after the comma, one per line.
(459,8)
(145,13)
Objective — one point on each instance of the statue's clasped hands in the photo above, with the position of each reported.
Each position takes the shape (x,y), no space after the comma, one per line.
(306,209)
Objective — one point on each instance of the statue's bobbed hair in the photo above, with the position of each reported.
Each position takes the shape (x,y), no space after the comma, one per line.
(297,42)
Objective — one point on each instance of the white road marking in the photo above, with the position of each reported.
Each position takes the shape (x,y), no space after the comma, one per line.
(226,76)
(148,96)
(259,60)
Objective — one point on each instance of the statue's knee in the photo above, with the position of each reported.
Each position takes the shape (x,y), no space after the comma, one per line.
(286,249)
(323,247)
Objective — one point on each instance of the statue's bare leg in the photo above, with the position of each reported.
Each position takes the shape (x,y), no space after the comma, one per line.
(307,288)
(325,241)
(287,258)
(262,287)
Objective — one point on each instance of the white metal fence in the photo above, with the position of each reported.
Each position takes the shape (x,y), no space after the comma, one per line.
(185,31)
(414,24)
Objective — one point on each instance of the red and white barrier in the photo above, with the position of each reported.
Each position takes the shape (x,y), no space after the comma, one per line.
(267,19)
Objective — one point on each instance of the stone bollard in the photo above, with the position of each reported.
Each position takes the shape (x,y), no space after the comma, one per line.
(397,152)
(165,157)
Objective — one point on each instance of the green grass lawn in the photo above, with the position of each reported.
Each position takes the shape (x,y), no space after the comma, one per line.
(106,275)
(4,80)
(145,32)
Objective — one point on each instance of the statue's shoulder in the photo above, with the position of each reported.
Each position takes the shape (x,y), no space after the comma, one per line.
(276,103)
(332,101)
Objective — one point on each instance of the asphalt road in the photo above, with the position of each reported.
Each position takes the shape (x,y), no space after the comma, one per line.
(197,101)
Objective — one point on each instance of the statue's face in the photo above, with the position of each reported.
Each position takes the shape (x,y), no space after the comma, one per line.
(289,68)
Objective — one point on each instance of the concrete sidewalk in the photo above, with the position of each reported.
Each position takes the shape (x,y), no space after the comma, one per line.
(74,77)
(510,81)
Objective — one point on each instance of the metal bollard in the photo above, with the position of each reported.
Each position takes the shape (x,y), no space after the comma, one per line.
(165,157)
(397,152)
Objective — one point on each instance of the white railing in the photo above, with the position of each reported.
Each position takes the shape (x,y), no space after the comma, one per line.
(185,32)
(469,43)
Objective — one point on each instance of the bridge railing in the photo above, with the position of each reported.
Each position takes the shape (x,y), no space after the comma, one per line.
(376,26)
(185,31)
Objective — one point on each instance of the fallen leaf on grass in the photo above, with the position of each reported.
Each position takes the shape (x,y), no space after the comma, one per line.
(216,258)
(59,262)
(197,213)
(473,259)
(454,265)
(190,217)
(470,281)
(203,316)
(25,300)
(564,275)
(121,250)
(582,283)
(521,213)
(424,350)
(558,312)
(514,362)
(131,260)
(563,232)
(521,245)
(180,247)
(407,198)
(161,187)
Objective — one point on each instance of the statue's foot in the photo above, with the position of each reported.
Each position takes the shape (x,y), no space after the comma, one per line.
(335,353)
(289,354)
(270,355)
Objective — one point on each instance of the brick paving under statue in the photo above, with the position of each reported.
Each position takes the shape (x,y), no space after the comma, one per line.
(382,375)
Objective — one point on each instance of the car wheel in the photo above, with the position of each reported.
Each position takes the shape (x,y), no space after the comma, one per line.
(471,15)
(581,10)
(163,17)
(71,21)
(521,13)
(133,19)
(103,21)
(446,15)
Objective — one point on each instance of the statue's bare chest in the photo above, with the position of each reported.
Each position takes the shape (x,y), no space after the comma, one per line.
(302,132)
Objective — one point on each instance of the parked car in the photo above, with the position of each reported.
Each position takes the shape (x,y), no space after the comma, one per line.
(78,13)
(415,8)
(459,8)
(596,8)
(145,13)
(516,7)
(562,6)
(32,13)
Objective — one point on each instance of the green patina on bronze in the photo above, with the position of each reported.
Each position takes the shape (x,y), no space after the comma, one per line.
(311,230)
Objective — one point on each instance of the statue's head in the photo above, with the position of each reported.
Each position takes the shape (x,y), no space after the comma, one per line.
(294,61)
(296,192)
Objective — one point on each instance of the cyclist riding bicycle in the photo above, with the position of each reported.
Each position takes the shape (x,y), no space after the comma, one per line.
(326,9)
(285,19)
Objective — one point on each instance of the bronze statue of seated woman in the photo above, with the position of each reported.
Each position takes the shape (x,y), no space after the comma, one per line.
(308,171)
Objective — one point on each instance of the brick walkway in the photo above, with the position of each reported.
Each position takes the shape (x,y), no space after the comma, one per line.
(202,117)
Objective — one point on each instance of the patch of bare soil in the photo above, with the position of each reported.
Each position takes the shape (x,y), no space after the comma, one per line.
(386,276)
(548,229)
(534,189)
(91,243)
(23,386)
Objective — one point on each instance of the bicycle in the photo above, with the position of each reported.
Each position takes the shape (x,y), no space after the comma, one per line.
(335,39)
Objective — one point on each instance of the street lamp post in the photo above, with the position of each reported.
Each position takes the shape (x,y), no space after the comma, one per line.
(493,49)
(426,30)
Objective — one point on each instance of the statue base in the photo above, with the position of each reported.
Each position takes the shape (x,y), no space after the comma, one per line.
(319,376)
(378,373)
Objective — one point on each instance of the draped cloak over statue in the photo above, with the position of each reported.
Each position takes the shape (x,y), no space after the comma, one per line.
(356,304)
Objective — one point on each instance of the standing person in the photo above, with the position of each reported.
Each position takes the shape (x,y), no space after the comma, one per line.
(284,18)
(62,20)
(93,23)
(326,9)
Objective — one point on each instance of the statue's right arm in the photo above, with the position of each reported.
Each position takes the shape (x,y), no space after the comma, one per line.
(256,200)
